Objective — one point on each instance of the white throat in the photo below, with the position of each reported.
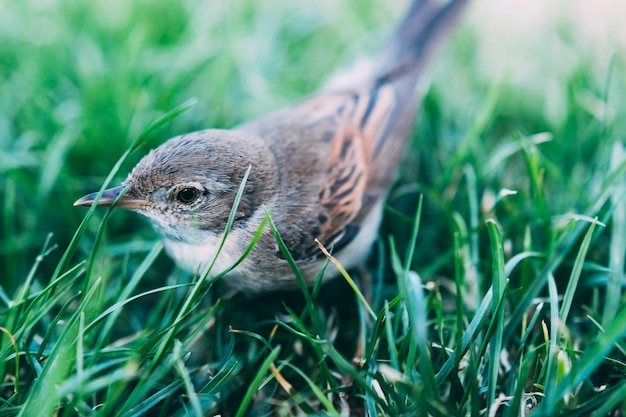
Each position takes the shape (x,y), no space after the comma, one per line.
(195,257)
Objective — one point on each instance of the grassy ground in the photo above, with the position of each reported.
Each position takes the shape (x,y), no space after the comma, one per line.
(501,295)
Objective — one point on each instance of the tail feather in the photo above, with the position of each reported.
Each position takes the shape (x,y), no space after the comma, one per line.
(425,25)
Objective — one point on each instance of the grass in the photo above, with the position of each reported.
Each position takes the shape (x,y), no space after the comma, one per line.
(496,284)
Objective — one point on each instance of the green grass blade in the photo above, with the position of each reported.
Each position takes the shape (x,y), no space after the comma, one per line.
(460,305)
(471,334)
(186,379)
(617,249)
(411,287)
(229,225)
(348,279)
(256,382)
(499,285)
(572,283)
(115,311)
(551,362)
(310,306)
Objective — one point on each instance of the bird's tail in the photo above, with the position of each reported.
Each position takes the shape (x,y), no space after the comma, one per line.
(392,84)
(425,25)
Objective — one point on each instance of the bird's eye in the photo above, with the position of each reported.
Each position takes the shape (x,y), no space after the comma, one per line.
(187,195)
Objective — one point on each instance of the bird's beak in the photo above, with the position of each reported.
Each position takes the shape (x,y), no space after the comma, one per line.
(109,196)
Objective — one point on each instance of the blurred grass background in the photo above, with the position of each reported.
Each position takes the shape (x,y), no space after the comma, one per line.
(528,98)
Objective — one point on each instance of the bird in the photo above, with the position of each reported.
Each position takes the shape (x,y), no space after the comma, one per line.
(322,168)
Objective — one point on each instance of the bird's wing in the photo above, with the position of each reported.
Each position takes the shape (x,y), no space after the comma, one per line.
(360,123)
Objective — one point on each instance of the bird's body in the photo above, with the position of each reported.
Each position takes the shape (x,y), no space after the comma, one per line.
(322,169)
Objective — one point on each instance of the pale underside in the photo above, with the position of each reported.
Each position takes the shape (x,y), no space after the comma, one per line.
(251,276)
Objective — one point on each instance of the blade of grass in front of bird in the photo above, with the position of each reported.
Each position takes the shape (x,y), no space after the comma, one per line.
(348,279)
(160,122)
(251,245)
(96,306)
(310,306)
(319,279)
(167,339)
(227,229)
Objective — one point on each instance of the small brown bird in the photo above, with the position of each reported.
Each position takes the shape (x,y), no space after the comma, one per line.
(322,167)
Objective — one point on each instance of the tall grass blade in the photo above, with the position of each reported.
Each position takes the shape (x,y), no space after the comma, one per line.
(499,285)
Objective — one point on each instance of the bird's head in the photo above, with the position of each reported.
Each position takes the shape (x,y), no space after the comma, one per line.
(188,185)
